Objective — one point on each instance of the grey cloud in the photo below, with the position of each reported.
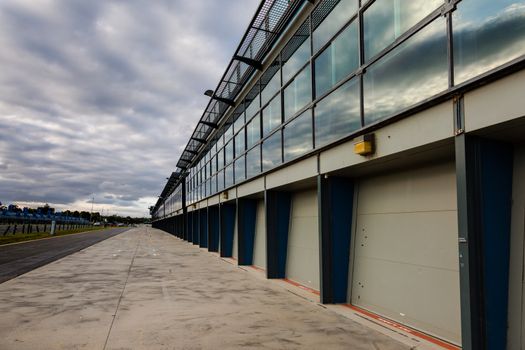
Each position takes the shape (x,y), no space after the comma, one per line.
(101,96)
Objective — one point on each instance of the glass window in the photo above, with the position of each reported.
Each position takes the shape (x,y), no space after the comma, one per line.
(337,60)
(239,143)
(386,20)
(253,131)
(414,71)
(228,134)
(239,123)
(298,136)
(271,151)
(220,159)
(272,115)
(220,142)
(298,93)
(296,52)
(228,176)
(228,153)
(487,34)
(214,184)
(271,88)
(220,180)
(253,162)
(240,171)
(337,18)
(253,107)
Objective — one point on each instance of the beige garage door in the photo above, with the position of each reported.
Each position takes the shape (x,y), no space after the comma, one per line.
(302,262)
(406,249)
(259,249)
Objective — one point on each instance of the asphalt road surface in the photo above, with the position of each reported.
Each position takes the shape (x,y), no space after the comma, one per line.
(17,259)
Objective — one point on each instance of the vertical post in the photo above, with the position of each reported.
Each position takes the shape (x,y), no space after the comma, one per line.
(484,190)
(189,229)
(53,227)
(335,201)
(278,207)
(213,228)
(246,216)
(227,218)
(196,224)
(203,230)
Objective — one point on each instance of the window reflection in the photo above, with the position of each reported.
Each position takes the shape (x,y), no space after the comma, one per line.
(220,181)
(298,136)
(239,143)
(220,159)
(228,176)
(487,34)
(296,52)
(239,123)
(298,93)
(386,20)
(253,162)
(228,134)
(213,165)
(337,60)
(272,115)
(240,172)
(414,71)
(271,151)
(253,131)
(253,107)
(272,87)
(343,11)
(228,152)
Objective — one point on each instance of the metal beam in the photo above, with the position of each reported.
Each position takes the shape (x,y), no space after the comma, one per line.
(251,62)
(210,124)
(198,140)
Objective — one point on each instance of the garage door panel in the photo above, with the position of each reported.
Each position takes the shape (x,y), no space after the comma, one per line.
(405,259)
(302,261)
(427,189)
(418,296)
(394,236)
(308,237)
(259,251)
(305,204)
(305,273)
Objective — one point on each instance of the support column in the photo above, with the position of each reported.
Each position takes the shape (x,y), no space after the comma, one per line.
(227,218)
(189,226)
(195,221)
(484,189)
(213,228)
(277,206)
(246,216)
(335,197)
(203,229)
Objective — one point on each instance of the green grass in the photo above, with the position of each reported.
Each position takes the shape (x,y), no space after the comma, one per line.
(29,237)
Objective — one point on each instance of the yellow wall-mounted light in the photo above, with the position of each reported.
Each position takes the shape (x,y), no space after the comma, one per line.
(364,145)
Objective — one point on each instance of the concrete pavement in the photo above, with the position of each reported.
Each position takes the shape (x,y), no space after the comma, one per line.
(145,289)
(19,258)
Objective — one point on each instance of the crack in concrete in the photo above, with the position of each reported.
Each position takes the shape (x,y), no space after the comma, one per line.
(123,290)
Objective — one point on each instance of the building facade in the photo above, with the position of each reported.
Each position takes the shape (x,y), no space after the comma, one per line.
(373,151)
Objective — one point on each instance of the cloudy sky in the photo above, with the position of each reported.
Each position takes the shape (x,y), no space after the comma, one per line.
(100,97)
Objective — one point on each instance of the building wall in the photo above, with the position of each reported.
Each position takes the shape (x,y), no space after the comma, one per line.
(404,265)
